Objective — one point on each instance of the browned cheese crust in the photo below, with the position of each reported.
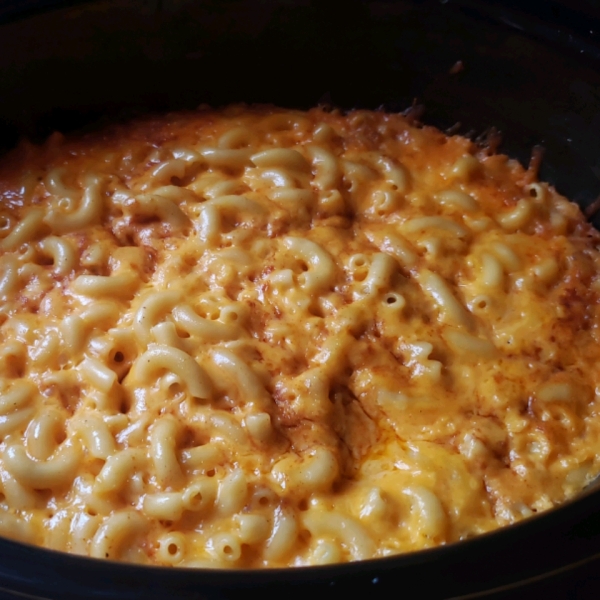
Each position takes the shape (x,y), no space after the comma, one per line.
(256,337)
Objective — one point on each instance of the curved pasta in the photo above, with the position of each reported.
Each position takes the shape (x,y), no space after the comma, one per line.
(232,494)
(9,280)
(88,213)
(249,388)
(205,457)
(285,158)
(171,548)
(225,547)
(233,206)
(148,313)
(118,469)
(235,137)
(56,471)
(451,309)
(18,396)
(394,173)
(316,472)
(25,231)
(16,406)
(96,437)
(61,252)
(15,420)
(455,198)
(327,172)
(518,217)
(98,374)
(156,205)
(167,506)
(165,358)
(253,528)
(464,343)
(322,269)
(380,272)
(19,496)
(200,495)
(116,531)
(16,528)
(165,171)
(492,275)
(205,329)
(227,158)
(163,439)
(421,224)
(429,511)
(283,536)
(42,433)
(349,532)
(119,285)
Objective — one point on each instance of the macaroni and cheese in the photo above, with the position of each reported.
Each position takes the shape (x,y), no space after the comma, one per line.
(255,337)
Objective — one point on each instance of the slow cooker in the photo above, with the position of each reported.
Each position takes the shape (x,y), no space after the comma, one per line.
(528,71)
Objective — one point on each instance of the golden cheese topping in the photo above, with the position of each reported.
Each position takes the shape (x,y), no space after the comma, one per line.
(266,338)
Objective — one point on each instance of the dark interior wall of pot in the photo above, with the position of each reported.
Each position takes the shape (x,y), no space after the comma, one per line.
(89,61)
(63,69)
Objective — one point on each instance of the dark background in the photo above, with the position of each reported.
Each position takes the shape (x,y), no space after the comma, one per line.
(530,69)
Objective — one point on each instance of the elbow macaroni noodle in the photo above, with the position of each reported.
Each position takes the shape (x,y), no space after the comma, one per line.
(265,338)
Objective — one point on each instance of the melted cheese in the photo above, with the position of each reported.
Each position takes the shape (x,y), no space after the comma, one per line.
(256,337)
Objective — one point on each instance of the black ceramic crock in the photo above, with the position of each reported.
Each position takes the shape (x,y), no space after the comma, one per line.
(530,70)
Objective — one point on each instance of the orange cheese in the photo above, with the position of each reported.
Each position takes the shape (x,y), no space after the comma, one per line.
(257,337)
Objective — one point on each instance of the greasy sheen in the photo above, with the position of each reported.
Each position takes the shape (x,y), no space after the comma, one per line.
(255,337)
